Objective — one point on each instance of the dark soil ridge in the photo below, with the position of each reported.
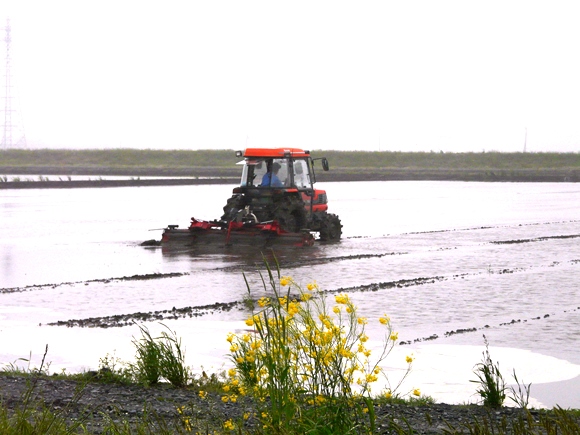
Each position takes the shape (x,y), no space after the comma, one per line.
(120,320)
(199,176)
(96,404)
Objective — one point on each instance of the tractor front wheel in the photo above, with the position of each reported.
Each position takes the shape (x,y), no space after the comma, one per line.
(330,228)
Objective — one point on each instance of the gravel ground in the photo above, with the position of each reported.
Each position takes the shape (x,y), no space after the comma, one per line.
(99,404)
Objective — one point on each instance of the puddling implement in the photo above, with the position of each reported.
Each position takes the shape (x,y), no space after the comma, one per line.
(235,233)
(275,203)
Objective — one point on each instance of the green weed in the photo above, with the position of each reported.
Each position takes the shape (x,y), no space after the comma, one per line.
(160,357)
(492,388)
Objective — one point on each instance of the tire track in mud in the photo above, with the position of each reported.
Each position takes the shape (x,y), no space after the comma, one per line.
(485,327)
(286,264)
(537,239)
(174,313)
(491,227)
(143,277)
(299,263)
(237,268)
(311,262)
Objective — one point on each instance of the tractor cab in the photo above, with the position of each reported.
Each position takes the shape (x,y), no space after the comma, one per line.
(278,168)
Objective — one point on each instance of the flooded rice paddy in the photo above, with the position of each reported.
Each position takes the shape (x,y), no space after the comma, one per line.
(447,261)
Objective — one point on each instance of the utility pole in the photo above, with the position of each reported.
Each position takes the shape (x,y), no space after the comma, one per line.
(8,127)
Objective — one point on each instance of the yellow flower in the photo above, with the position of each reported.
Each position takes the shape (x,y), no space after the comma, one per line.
(394,336)
(262,302)
(232,372)
(311,286)
(388,394)
(336,309)
(229,425)
(409,359)
(285,280)
(371,377)
(366,410)
(250,322)
(345,353)
(305,296)
(293,308)
(341,299)
(384,320)
(225,399)
(362,320)
(363,338)
(416,392)
(234,347)
(246,415)
(230,337)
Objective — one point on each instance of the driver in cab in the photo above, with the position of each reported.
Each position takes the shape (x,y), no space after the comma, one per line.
(270,178)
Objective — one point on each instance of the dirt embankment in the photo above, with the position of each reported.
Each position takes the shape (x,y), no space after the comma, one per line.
(98,404)
(52,177)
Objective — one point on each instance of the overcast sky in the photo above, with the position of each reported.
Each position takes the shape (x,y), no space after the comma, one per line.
(359,75)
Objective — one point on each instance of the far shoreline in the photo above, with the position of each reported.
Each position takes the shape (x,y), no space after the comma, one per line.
(35,178)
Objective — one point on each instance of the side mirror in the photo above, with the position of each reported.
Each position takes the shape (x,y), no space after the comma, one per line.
(325,164)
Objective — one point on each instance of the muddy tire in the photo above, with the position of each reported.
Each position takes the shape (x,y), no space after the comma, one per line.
(290,214)
(231,208)
(330,228)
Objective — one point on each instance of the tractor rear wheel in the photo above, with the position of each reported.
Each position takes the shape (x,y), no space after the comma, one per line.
(290,214)
(231,208)
(330,228)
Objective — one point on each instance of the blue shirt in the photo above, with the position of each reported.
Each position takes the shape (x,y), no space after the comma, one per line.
(271,180)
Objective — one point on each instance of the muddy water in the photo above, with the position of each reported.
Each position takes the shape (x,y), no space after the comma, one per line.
(447,261)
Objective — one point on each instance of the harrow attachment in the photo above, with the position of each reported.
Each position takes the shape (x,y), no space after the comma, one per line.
(234,233)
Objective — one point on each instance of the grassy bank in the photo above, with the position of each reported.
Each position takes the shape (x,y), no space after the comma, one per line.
(132,158)
(345,165)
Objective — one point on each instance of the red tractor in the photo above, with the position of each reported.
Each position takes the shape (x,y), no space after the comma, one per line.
(275,204)
(278,185)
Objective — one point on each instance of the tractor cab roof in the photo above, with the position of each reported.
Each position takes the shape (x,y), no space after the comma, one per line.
(275,153)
